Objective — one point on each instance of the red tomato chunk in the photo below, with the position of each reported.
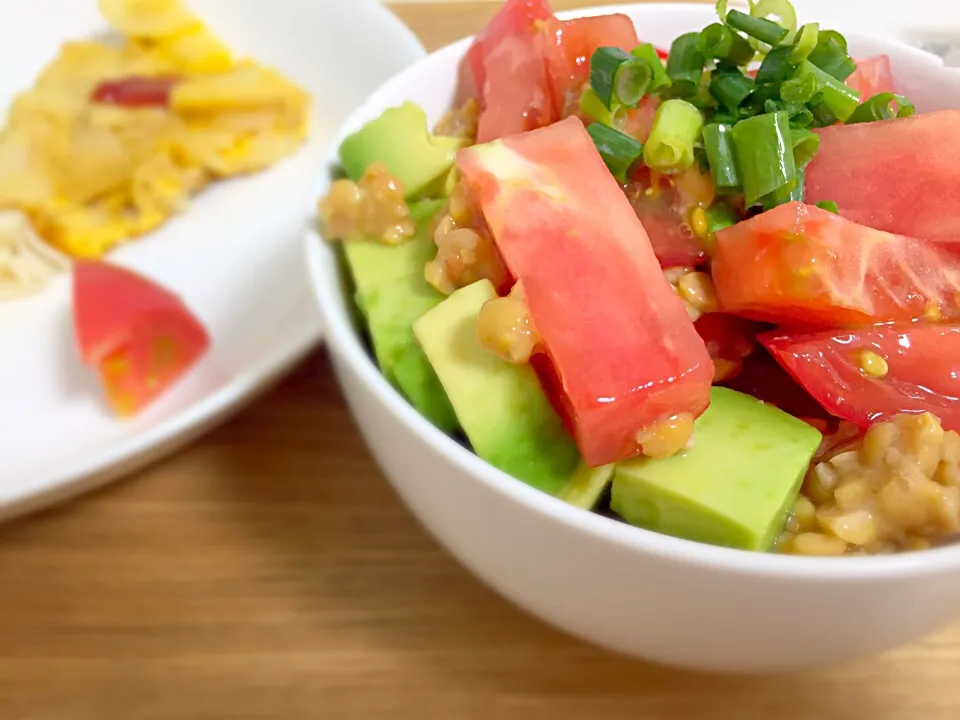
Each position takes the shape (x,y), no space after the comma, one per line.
(798,264)
(140,337)
(871,374)
(626,354)
(569,45)
(136,91)
(508,72)
(872,77)
(902,175)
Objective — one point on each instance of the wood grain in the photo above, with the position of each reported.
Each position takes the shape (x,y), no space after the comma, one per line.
(269,572)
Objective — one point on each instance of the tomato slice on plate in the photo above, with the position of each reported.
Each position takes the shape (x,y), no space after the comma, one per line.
(625,352)
(136,91)
(508,71)
(800,265)
(139,336)
(871,374)
(568,47)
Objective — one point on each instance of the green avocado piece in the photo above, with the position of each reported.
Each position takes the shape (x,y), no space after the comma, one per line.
(373,263)
(587,485)
(501,407)
(399,138)
(417,380)
(733,488)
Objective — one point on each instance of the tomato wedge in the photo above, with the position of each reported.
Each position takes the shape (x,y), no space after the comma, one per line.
(139,336)
(136,91)
(663,205)
(922,370)
(568,47)
(798,264)
(625,352)
(872,77)
(507,69)
(901,175)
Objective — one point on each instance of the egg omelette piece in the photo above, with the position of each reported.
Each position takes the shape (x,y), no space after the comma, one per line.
(114,139)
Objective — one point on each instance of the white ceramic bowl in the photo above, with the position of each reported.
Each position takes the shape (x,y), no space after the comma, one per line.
(648,595)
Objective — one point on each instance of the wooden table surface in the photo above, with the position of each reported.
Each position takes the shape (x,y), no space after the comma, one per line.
(270,572)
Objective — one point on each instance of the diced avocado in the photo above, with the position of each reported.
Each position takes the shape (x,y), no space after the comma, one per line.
(399,139)
(501,407)
(733,488)
(587,485)
(375,263)
(419,383)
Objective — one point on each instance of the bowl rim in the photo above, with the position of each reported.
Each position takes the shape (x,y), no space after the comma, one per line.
(344,341)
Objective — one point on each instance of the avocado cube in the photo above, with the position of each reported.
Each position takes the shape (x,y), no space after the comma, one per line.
(399,138)
(501,407)
(733,488)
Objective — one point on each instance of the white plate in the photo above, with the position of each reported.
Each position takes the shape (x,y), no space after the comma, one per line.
(234,256)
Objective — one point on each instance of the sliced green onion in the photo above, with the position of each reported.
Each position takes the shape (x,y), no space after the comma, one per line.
(618,77)
(782,10)
(800,116)
(881,107)
(829,206)
(731,89)
(776,67)
(839,99)
(685,65)
(719,216)
(721,156)
(721,8)
(805,42)
(822,115)
(592,106)
(766,31)
(800,88)
(805,146)
(648,53)
(670,147)
(721,43)
(764,150)
(830,55)
(619,151)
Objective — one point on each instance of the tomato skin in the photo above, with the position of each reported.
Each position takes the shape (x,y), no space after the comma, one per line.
(923,375)
(505,65)
(139,336)
(569,45)
(872,77)
(901,175)
(568,234)
(663,204)
(800,265)
(136,91)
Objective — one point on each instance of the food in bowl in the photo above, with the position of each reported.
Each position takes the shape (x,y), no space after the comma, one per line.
(117,135)
(674,285)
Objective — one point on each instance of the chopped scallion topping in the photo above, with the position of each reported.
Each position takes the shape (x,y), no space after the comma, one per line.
(761,29)
(619,78)
(764,151)
(800,88)
(805,42)
(829,206)
(830,55)
(721,43)
(619,151)
(731,89)
(776,67)
(805,146)
(721,157)
(685,65)
(838,98)
(884,106)
(648,53)
(592,106)
(670,147)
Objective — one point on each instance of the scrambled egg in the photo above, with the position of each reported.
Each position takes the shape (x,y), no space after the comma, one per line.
(94,165)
